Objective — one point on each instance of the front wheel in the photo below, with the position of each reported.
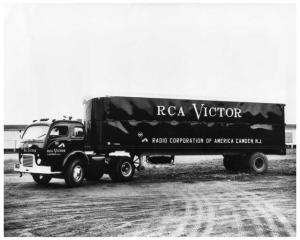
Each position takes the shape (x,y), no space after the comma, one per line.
(41,179)
(74,173)
(122,169)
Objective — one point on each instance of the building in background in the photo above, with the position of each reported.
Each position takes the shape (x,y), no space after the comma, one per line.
(12,135)
(290,135)
(12,138)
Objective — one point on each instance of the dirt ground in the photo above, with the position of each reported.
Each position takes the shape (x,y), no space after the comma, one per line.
(194,197)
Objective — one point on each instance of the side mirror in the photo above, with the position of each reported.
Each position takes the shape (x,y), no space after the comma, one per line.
(20,134)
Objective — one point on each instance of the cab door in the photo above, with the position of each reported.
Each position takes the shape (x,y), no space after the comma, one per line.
(58,145)
(77,138)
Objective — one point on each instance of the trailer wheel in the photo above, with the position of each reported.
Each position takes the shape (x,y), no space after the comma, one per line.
(41,179)
(233,163)
(122,169)
(74,173)
(227,163)
(257,162)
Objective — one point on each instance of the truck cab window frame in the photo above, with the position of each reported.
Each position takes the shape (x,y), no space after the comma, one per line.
(61,131)
(77,132)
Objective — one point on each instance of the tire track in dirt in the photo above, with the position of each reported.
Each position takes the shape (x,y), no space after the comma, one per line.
(245,216)
(245,221)
(131,211)
(142,229)
(259,224)
(248,217)
(281,220)
(192,219)
(238,220)
(224,215)
(179,216)
(180,222)
(255,226)
(158,219)
(210,213)
(197,221)
(265,218)
(162,229)
(198,217)
(187,225)
(275,220)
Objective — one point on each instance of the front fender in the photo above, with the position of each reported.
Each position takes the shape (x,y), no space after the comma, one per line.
(74,154)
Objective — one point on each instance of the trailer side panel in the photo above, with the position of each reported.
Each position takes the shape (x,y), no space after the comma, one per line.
(184,126)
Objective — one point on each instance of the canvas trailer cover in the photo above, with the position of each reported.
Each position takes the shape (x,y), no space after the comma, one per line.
(181,126)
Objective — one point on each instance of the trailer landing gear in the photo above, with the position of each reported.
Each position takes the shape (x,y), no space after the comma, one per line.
(138,162)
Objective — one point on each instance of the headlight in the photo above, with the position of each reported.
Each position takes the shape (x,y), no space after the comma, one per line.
(38,161)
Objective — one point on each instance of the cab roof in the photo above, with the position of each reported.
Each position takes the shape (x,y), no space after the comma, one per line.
(49,122)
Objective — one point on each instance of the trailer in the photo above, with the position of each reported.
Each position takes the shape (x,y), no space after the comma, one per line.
(118,132)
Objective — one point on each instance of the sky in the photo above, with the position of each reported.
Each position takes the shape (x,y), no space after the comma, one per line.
(57,55)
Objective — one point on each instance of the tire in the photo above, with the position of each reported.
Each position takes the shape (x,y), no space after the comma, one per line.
(41,179)
(121,169)
(227,163)
(233,163)
(257,163)
(74,173)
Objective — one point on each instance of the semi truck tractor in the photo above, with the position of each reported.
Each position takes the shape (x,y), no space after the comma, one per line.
(117,133)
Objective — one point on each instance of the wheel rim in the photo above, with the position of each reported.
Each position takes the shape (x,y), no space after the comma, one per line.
(77,173)
(259,163)
(126,169)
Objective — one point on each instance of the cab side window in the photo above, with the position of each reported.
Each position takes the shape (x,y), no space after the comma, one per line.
(59,131)
(78,132)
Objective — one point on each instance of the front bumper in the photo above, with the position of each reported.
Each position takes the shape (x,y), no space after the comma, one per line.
(34,169)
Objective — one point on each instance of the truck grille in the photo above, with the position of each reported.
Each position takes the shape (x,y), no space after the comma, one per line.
(27,160)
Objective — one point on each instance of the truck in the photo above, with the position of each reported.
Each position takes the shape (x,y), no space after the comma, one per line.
(118,133)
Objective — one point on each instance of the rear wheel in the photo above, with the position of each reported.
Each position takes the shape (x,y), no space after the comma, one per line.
(74,173)
(233,163)
(41,179)
(257,162)
(121,169)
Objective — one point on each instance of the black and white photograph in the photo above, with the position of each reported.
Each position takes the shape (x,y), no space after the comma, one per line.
(149,119)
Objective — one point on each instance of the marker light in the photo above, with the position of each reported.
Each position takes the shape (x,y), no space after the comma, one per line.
(39,161)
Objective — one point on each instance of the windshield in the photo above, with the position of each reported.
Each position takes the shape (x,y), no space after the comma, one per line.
(38,132)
